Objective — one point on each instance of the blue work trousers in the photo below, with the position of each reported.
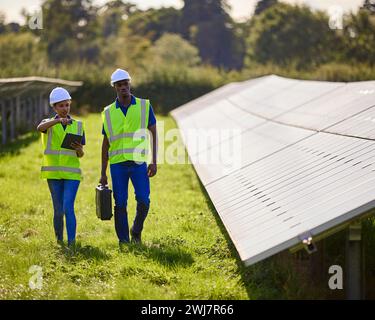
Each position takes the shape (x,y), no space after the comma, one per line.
(63,194)
(120,174)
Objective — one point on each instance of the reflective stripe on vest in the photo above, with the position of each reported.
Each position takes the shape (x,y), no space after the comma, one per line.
(49,150)
(140,135)
(130,150)
(58,168)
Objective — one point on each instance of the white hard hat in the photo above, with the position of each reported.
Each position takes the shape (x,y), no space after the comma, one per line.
(58,94)
(119,75)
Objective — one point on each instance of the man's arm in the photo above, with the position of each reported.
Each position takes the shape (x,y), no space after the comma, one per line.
(105,147)
(152,168)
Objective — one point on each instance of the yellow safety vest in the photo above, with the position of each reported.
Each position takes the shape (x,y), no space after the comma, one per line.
(127,136)
(60,163)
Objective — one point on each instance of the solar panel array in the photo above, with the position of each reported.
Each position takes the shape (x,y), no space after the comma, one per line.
(306,158)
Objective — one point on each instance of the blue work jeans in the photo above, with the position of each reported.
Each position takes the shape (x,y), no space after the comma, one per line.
(137,173)
(63,193)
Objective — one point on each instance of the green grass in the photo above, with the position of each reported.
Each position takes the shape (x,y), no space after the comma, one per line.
(186,253)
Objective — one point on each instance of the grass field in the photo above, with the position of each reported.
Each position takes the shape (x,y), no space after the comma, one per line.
(186,253)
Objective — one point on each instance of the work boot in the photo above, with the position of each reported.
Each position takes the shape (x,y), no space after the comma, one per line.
(136,237)
(72,244)
(122,244)
(140,217)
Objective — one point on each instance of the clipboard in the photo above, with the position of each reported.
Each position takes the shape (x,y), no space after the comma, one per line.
(69,138)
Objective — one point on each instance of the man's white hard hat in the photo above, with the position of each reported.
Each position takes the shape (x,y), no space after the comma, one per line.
(119,75)
(58,94)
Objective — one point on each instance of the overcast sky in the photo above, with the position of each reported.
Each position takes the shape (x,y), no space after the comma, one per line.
(240,8)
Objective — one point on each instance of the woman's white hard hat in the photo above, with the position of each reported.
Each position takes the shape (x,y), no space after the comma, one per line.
(58,94)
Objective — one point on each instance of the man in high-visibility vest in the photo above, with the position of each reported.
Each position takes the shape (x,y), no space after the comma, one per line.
(126,145)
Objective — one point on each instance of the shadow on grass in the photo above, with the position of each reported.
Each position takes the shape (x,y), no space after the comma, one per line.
(80,252)
(243,271)
(167,256)
(13,148)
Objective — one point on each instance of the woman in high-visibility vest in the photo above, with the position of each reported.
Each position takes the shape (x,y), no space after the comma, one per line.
(61,166)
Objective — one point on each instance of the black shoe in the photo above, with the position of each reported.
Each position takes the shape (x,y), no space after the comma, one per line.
(136,237)
(122,245)
(72,244)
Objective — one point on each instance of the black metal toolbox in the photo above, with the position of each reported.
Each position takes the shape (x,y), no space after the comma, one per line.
(103,199)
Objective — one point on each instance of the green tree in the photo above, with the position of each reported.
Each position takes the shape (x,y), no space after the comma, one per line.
(208,26)
(286,35)
(153,23)
(2,22)
(263,5)
(9,27)
(126,50)
(113,14)
(369,5)
(70,30)
(173,49)
(359,37)
(21,55)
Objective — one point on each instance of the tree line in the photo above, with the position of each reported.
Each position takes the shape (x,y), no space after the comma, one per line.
(179,54)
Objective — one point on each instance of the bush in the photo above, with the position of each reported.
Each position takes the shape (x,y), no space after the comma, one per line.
(167,86)
(171,86)
(20,55)
(326,72)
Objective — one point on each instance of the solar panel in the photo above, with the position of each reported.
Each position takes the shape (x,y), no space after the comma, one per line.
(306,165)
(338,105)
(273,102)
(251,146)
(16,86)
(361,125)
(205,101)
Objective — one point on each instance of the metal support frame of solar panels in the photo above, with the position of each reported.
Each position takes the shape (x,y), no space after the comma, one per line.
(307,159)
(24,102)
